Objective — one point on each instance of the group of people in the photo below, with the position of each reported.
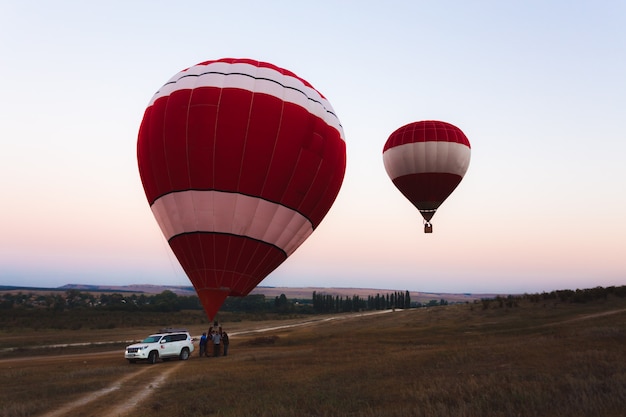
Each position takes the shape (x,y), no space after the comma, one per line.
(215,337)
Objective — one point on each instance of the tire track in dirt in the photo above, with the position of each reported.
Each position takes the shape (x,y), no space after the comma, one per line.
(126,407)
(118,408)
(585,317)
(62,357)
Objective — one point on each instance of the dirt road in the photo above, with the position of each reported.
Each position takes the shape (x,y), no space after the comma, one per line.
(117,409)
(119,398)
(124,394)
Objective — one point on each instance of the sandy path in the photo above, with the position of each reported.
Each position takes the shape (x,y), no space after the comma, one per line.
(141,384)
(62,357)
(585,317)
(86,399)
(121,409)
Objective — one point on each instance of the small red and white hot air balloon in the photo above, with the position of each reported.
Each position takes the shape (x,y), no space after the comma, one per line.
(240,161)
(426,161)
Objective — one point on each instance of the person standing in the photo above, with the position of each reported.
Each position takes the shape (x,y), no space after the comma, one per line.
(203,343)
(216,338)
(225,342)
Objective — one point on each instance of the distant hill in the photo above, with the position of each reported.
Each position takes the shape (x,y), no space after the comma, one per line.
(290,292)
(133,288)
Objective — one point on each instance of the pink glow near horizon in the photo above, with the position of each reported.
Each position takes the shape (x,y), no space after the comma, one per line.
(541,206)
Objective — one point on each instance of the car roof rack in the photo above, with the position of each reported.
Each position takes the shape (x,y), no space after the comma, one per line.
(170,330)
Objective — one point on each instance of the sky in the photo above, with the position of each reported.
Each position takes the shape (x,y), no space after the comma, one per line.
(537,86)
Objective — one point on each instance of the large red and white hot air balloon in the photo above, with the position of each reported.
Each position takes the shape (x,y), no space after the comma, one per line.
(240,161)
(426,161)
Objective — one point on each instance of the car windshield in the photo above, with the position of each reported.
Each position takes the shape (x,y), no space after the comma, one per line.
(151,339)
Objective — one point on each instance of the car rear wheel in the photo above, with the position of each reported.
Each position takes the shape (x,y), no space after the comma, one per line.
(184,354)
(152,357)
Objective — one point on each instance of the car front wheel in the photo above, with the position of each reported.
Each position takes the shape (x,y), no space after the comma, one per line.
(152,357)
(184,354)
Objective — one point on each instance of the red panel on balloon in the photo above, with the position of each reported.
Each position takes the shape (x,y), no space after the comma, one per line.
(213,260)
(427,191)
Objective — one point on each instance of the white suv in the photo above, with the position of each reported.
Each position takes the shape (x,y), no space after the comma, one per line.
(166,344)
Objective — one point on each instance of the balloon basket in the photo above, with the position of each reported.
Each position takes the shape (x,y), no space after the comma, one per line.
(428,228)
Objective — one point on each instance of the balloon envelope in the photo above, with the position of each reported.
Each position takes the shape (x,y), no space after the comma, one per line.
(240,161)
(426,161)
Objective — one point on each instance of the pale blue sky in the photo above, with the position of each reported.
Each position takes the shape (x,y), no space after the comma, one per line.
(538,87)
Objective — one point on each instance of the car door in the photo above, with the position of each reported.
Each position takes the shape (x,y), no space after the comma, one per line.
(178,343)
(167,346)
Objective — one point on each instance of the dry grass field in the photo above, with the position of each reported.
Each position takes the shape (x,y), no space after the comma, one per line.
(534,359)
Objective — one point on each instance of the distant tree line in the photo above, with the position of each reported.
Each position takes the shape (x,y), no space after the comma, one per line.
(579,296)
(563,296)
(75,299)
(320,303)
(168,301)
(328,303)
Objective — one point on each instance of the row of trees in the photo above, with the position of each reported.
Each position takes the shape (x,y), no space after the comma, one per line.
(327,303)
(73,299)
(170,301)
(563,296)
(579,295)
